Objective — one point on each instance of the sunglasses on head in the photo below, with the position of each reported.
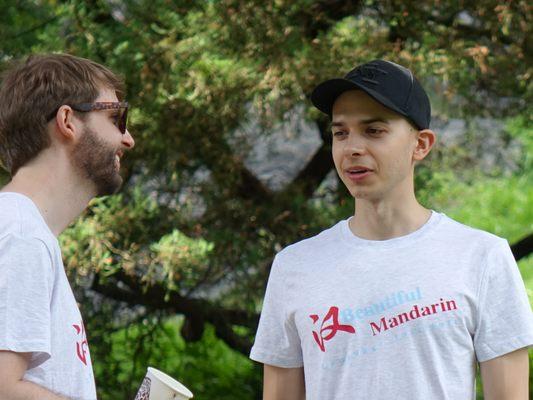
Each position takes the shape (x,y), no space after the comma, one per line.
(122,106)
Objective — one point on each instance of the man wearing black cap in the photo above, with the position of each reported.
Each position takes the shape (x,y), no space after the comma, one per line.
(398,301)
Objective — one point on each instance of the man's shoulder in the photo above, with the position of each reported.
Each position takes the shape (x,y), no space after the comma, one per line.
(309,246)
(469,235)
(18,219)
(11,216)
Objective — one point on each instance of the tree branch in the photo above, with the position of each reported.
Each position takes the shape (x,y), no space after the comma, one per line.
(322,14)
(126,288)
(316,170)
(252,187)
(523,248)
(33,28)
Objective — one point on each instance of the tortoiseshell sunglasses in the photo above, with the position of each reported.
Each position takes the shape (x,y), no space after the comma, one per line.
(103,105)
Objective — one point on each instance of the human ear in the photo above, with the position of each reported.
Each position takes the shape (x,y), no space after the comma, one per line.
(424,143)
(64,122)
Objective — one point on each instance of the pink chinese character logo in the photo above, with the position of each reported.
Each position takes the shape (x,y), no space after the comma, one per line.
(329,327)
(81,345)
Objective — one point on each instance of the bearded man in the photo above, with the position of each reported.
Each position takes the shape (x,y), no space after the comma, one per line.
(62,135)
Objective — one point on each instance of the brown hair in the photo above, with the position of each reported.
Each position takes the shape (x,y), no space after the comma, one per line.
(33,89)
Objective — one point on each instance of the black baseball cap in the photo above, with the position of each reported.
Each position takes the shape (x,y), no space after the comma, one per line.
(388,83)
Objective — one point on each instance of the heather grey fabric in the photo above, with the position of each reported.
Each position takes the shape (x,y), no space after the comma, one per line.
(38,311)
(405,318)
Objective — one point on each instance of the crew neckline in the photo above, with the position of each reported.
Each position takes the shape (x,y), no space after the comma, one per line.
(354,240)
(33,206)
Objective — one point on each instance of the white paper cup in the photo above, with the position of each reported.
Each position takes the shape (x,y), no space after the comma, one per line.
(159,386)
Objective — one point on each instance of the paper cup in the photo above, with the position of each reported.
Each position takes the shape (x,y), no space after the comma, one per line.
(159,386)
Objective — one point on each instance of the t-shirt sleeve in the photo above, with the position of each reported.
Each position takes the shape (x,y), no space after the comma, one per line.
(26,281)
(277,341)
(505,320)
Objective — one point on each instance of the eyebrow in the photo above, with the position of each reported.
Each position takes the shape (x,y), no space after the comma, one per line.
(362,122)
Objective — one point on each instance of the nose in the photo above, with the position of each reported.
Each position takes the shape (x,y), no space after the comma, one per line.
(355,145)
(127,140)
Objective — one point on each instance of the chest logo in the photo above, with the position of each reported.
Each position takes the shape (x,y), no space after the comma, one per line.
(81,345)
(329,327)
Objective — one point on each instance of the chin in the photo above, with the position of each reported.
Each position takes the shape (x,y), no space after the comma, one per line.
(109,185)
(361,194)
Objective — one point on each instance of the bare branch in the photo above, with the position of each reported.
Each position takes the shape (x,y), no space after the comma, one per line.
(523,248)
(33,28)
(126,288)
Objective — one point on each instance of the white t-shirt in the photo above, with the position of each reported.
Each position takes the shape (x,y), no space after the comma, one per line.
(38,312)
(405,318)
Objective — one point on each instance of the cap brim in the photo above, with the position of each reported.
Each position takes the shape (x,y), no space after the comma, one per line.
(324,95)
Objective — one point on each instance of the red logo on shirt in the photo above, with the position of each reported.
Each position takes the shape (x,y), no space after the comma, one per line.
(329,327)
(82,345)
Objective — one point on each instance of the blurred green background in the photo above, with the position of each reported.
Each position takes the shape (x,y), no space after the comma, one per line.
(232,163)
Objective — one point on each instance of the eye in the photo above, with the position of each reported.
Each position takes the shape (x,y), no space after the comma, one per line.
(115,117)
(374,131)
(339,134)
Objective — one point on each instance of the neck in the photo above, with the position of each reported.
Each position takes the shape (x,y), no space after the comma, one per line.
(59,196)
(390,217)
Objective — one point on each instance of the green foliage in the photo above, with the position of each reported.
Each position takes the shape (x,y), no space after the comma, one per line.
(191,217)
(4,177)
(521,129)
(208,368)
(500,206)
(184,260)
(110,230)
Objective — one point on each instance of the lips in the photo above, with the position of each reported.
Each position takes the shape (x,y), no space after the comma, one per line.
(358,169)
(358,172)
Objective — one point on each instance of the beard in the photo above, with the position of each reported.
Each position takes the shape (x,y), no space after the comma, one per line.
(95,160)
